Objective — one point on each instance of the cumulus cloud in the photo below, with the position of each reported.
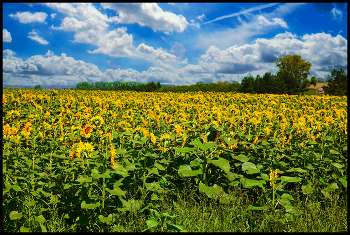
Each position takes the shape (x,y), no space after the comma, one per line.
(322,50)
(6,36)
(35,37)
(147,14)
(27,17)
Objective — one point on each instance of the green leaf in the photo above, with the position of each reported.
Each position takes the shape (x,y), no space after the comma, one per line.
(15,215)
(241,157)
(186,171)
(344,181)
(151,223)
(195,163)
(107,219)
(333,186)
(297,170)
(116,191)
(256,207)
(89,206)
(95,174)
(212,192)
(337,165)
(333,152)
(290,179)
(160,167)
(23,229)
(176,227)
(250,168)
(153,170)
(249,183)
(230,142)
(184,150)
(83,179)
(40,219)
(121,151)
(222,164)
(307,189)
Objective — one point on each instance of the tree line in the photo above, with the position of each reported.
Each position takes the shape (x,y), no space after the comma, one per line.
(291,78)
(120,86)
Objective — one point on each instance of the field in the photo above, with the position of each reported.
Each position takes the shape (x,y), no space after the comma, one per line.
(105,161)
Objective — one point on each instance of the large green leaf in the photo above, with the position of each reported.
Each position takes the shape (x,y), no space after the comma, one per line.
(307,189)
(15,215)
(186,171)
(116,191)
(212,192)
(290,179)
(250,168)
(249,183)
(241,157)
(184,150)
(89,206)
(221,163)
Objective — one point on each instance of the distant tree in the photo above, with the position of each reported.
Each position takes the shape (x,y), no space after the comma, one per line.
(37,87)
(248,85)
(294,71)
(159,85)
(337,83)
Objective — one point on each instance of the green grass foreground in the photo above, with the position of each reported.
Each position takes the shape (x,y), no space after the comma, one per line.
(188,213)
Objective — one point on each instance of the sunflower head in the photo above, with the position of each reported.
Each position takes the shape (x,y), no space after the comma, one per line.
(86,130)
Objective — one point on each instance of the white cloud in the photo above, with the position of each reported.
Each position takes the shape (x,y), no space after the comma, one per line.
(8,53)
(322,50)
(27,17)
(147,14)
(276,21)
(336,13)
(6,36)
(116,43)
(200,17)
(35,37)
(242,12)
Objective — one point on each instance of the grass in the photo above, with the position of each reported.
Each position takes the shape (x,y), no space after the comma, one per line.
(207,215)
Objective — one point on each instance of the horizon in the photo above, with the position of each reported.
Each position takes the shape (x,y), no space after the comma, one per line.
(63,44)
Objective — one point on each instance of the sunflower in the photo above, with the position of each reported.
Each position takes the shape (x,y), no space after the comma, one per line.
(97,121)
(86,130)
(153,138)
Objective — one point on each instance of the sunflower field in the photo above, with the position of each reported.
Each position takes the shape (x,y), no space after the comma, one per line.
(89,155)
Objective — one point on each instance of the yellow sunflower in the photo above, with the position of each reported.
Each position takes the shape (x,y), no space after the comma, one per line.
(86,130)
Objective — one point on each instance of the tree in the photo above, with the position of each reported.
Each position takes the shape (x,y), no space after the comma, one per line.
(37,87)
(248,85)
(337,83)
(159,85)
(294,71)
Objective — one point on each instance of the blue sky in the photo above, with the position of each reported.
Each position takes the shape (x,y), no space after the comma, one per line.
(62,44)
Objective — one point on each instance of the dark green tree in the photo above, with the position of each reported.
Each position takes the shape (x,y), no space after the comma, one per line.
(38,87)
(294,71)
(248,84)
(337,83)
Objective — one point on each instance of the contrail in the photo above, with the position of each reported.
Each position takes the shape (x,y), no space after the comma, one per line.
(242,12)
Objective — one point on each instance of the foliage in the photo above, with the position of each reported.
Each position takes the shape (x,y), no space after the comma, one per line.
(119,86)
(86,159)
(204,87)
(294,71)
(37,87)
(337,83)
